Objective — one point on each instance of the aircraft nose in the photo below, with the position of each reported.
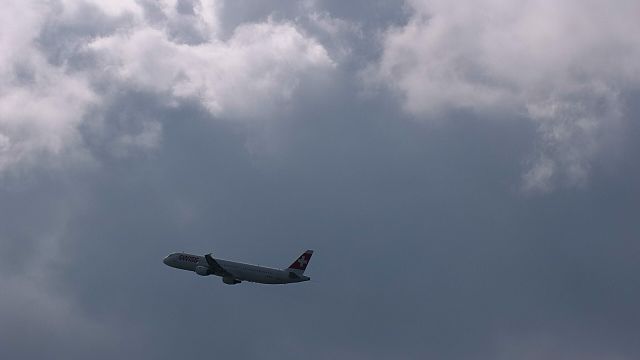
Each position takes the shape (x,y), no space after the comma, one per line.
(166,260)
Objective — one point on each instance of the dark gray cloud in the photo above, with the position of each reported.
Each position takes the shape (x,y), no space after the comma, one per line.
(426,244)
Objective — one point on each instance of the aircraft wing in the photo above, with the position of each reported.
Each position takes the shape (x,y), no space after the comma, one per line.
(215,267)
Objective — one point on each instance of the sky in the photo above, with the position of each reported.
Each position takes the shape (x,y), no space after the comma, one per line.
(467,173)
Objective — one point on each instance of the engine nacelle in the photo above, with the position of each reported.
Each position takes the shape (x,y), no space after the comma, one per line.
(230,281)
(202,270)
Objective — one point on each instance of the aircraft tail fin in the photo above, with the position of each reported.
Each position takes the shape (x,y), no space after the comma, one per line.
(301,263)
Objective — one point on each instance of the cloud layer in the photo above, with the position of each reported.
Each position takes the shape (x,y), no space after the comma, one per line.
(137,129)
(566,67)
(62,61)
(563,65)
(41,104)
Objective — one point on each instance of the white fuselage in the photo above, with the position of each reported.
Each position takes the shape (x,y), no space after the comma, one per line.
(233,270)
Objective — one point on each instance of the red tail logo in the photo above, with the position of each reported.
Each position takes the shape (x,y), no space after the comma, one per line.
(302,261)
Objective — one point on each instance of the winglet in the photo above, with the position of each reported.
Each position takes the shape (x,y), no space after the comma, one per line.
(301,262)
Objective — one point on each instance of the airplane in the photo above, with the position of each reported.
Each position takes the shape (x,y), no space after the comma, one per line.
(235,272)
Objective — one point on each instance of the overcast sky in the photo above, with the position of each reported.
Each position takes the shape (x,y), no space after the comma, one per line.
(467,172)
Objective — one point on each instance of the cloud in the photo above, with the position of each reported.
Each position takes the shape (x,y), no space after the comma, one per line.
(63,63)
(41,104)
(482,273)
(249,76)
(562,65)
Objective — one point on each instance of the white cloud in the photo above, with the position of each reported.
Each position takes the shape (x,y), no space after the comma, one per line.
(171,48)
(40,104)
(248,76)
(560,64)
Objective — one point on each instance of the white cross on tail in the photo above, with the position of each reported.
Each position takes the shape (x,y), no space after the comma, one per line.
(302,261)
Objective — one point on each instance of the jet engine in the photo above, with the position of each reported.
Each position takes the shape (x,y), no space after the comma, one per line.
(230,281)
(202,270)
